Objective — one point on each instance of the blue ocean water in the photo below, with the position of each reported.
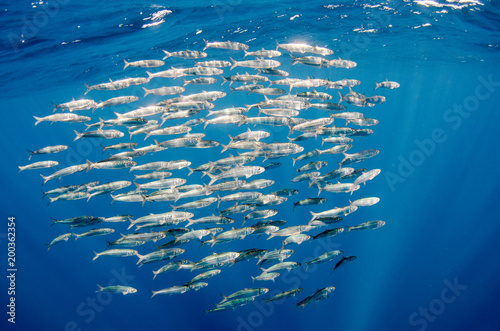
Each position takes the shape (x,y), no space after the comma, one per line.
(431,267)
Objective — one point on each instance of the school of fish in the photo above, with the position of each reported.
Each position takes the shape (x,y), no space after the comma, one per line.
(179,121)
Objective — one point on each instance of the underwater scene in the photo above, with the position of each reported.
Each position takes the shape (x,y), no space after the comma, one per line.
(231,165)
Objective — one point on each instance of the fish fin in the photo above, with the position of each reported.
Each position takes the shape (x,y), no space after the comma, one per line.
(126,64)
(146,91)
(234,63)
(38,120)
(90,165)
(78,135)
(96,255)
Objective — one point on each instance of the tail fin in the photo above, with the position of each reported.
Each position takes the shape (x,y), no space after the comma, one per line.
(21,168)
(146,90)
(91,165)
(167,54)
(89,88)
(314,215)
(206,44)
(213,178)
(100,288)
(45,178)
(156,274)
(234,64)
(38,120)
(294,205)
(319,189)
(126,64)
(224,148)
(253,278)
(190,171)
(341,97)
(154,293)
(96,255)
(150,75)
(78,135)
(377,85)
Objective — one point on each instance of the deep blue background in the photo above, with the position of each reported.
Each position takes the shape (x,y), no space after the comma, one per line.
(442,214)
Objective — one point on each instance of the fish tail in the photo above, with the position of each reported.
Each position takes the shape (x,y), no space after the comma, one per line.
(341,97)
(213,178)
(126,64)
(224,148)
(167,54)
(89,88)
(294,205)
(154,293)
(90,166)
(253,278)
(45,178)
(38,120)
(96,255)
(100,288)
(314,215)
(78,135)
(377,85)
(146,90)
(234,63)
